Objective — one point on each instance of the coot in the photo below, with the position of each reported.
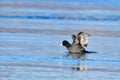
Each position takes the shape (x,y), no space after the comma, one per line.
(73,48)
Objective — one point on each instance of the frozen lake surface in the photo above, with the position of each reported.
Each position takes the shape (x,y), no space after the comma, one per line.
(31,33)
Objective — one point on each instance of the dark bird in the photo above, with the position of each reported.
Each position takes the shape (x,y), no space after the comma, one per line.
(73,48)
(79,43)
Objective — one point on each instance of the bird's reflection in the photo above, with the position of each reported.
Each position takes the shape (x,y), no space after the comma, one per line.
(76,55)
(80,65)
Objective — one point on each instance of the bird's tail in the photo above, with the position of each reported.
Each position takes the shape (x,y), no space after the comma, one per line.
(90,51)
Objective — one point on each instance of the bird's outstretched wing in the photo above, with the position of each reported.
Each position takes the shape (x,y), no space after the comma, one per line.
(81,39)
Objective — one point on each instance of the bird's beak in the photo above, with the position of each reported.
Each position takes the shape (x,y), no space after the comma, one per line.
(61,44)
